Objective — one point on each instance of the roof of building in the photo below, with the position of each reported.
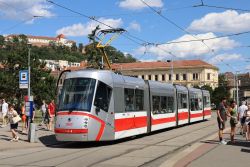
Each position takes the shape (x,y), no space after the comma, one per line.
(161,64)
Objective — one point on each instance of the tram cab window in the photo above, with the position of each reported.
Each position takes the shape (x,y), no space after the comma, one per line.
(103,95)
(76,94)
(134,99)
(206,101)
(182,100)
(163,104)
(195,102)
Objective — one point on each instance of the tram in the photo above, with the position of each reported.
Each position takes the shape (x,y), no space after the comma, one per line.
(100,105)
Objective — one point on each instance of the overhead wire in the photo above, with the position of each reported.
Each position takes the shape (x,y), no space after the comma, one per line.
(127,35)
(220,7)
(137,39)
(182,29)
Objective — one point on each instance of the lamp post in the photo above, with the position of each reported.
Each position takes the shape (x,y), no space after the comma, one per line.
(29,49)
(237,89)
(172,69)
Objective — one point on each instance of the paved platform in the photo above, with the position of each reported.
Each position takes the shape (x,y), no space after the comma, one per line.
(44,138)
(192,145)
(209,152)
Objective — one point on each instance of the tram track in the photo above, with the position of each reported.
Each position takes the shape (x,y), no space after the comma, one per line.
(171,152)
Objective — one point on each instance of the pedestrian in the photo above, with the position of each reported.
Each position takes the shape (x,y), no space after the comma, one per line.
(242,119)
(13,125)
(51,112)
(23,116)
(43,110)
(221,119)
(232,113)
(5,107)
(247,123)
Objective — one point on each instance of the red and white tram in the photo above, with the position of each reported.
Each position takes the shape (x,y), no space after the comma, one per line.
(99,105)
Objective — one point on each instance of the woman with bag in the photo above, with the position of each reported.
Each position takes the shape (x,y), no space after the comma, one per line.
(14,119)
(232,113)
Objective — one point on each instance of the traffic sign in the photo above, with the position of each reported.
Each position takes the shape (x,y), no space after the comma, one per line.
(23,79)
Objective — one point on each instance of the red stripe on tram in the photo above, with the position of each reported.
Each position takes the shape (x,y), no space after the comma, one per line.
(71,131)
(130,123)
(182,115)
(163,120)
(196,115)
(207,112)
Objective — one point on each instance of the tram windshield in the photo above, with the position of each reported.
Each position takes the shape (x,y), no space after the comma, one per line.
(77,94)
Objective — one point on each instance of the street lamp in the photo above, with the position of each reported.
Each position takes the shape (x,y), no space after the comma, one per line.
(172,69)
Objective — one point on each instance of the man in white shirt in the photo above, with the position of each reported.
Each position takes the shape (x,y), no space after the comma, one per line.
(241,112)
(4,112)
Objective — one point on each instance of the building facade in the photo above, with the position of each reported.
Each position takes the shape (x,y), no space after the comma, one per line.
(185,72)
(46,41)
(59,65)
(243,85)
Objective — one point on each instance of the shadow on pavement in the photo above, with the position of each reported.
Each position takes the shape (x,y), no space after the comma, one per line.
(240,143)
(245,150)
(210,141)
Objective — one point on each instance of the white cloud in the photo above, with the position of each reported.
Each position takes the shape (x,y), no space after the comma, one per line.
(189,49)
(225,58)
(85,29)
(137,4)
(134,26)
(247,67)
(24,9)
(228,21)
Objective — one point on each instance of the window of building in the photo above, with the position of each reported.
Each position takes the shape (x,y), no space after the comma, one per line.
(142,76)
(156,77)
(184,76)
(103,95)
(208,76)
(182,100)
(195,102)
(195,76)
(133,99)
(177,77)
(169,77)
(163,77)
(149,77)
(163,104)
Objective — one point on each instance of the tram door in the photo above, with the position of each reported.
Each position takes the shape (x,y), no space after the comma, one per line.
(100,119)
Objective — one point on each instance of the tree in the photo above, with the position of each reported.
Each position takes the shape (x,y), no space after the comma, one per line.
(16,59)
(222,91)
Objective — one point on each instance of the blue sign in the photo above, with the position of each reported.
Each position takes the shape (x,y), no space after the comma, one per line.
(23,79)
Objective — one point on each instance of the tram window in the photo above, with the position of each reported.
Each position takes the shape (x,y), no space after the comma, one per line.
(206,101)
(163,104)
(139,97)
(129,99)
(156,104)
(103,95)
(195,103)
(182,100)
(133,99)
(170,104)
(76,94)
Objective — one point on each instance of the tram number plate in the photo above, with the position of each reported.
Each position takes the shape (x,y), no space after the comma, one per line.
(69,124)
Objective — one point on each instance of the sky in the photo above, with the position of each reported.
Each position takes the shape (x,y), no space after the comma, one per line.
(149,31)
